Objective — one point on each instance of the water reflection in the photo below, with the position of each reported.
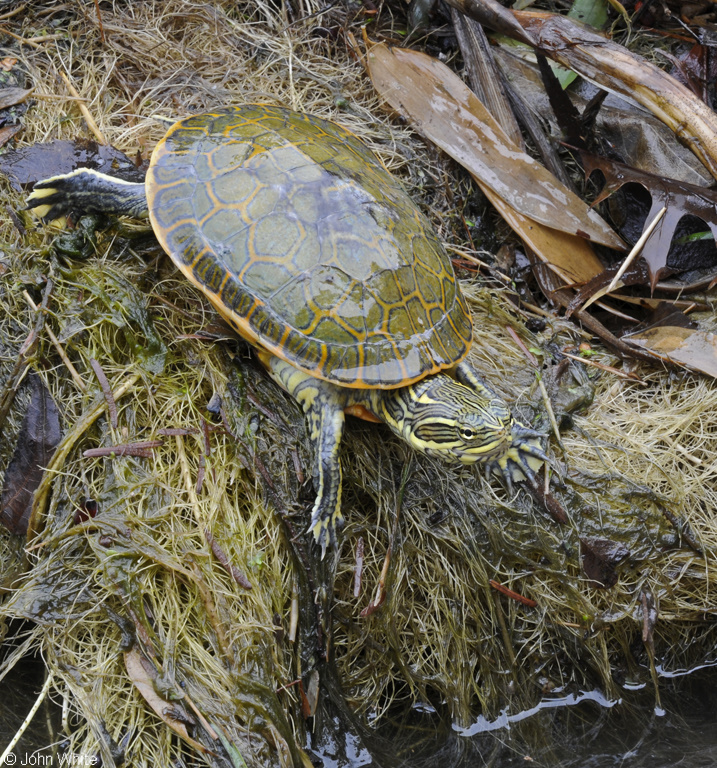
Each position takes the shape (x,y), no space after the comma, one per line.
(570,730)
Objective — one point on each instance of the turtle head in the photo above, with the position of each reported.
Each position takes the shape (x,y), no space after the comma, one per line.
(456,422)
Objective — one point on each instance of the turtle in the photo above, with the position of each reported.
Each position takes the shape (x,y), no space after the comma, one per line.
(314,252)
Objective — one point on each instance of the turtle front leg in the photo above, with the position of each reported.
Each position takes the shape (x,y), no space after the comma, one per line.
(87,191)
(324,408)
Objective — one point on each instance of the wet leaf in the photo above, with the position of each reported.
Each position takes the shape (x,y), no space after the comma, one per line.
(693,349)
(571,258)
(650,614)
(445,110)
(8,131)
(590,12)
(143,674)
(600,558)
(39,436)
(27,165)
(9,97)
(679,198)
(692,69)
(617,70)
(630,131)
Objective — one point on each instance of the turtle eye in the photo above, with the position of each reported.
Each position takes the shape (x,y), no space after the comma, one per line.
(468,433)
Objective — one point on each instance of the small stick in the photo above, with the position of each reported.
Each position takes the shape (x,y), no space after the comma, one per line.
(631,376)
(510,593)
(102,29)
(174,431)
(203,720)
(616,312)
(32,42)
(634,252)
(528,354)
(55,97)
(673,444)
(60,350)
(359,567)
(91,124)
(223,560)
(142,448)
(551,413)
(26,722)
(14,12)
(294,615)
(106,391)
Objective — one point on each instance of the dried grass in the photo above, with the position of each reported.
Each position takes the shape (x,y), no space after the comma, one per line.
(443,636)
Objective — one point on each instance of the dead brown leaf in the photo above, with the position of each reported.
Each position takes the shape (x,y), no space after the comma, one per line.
(693,349)
(613,68)
(144,675)
(678,198)
(600,558)
(9,97)
(38,438)
(446,111)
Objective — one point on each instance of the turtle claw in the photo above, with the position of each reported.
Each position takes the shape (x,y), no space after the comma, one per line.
(522,459)
(324,529)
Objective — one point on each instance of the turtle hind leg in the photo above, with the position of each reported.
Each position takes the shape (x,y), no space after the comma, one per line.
(325,431)
(86,191)
(323,405)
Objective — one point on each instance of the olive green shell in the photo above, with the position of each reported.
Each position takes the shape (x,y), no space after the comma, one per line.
(307,245)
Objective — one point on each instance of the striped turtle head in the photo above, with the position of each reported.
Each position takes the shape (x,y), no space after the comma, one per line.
(457,423)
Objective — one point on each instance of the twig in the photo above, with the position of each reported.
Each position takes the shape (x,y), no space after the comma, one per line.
(530,357)
(91,124)
(631,376)
(358,570)
(294,615)
(681,449)
(14,12)
(102,30)
(55,97)
(32,42)
(634,252)
(142,448)
(203,720)
(510,593)
(60,350)
(106,390)
(221,556)
(26,722)
(549,409)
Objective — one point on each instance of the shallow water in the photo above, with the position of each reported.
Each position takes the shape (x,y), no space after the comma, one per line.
(581,730)
(576,730)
